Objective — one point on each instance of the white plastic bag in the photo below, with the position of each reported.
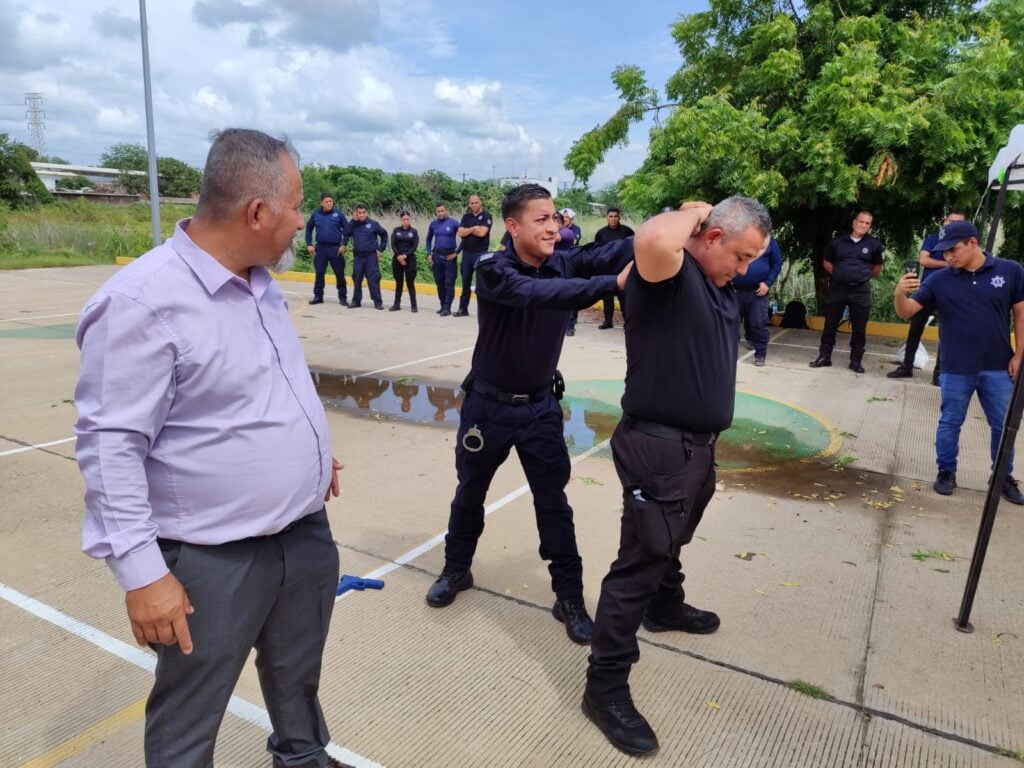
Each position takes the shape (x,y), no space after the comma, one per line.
(920,359)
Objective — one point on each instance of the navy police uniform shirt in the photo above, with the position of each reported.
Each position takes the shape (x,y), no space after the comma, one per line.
(929,245)
(441,235)
(523,311)
(852,261)
(764,269)
(329,226)
(367,236)
(474,244)
(976,308)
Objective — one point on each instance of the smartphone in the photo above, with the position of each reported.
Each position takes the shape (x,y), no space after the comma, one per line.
(911,267)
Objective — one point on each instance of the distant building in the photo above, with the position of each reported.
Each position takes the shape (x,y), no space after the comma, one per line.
(550,184)
(51,173)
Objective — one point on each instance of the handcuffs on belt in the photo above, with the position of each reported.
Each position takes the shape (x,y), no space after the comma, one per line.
(473,440)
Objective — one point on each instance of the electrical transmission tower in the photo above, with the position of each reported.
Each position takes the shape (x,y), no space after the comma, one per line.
(36,121)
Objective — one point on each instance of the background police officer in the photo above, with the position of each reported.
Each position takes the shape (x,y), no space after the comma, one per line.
(613,230)
(404,242)
(752,291)
(369,239)
(475,231)
(851,262)
(329,224)
(681,340)
(441,254)
(525,295)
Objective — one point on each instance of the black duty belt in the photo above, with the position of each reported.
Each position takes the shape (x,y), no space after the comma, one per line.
(666,432)
(319,243)
(364,253)
(473,384)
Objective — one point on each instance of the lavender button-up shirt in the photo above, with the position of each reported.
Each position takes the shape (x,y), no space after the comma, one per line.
(197,417)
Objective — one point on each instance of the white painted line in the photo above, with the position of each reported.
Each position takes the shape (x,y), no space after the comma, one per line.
(421,360)
(35,317)
(39,445)
(145,660)
(840,350)
(771,341)
(426,546)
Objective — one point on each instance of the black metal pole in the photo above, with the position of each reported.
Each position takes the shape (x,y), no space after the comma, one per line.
(1011,424)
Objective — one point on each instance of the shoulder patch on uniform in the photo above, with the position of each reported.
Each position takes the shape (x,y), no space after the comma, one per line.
(484,257)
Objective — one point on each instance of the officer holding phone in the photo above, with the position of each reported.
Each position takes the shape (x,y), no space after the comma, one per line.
(932,260)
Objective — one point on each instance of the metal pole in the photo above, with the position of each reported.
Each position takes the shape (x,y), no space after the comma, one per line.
(154,190)
(1000,204)
(1011,425)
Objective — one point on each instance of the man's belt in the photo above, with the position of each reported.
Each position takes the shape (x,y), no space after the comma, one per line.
(364,253)
(666,432)
(473,384)
(333,245)
(444,251)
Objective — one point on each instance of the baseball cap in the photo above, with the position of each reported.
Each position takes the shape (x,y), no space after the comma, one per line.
(568,212)
(953,233)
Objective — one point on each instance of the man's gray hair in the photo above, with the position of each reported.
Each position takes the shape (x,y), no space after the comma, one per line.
(735,215)
(242,165)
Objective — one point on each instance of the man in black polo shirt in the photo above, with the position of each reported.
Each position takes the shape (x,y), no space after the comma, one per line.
(329,224)
(613,231)
(851,261)
(977,295)
(475,231)
(681,343)
(525,295)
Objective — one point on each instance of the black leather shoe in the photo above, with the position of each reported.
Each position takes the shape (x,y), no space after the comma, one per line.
(901,372)
(316,301)
(945,483)
(447,586)
(1011,491)
(394,308)
(821,361)
(605,325)
(578,624)
(856,367)
(413,309)
(354,305)
(378,306)
(438,312)
(686,619)
(343,302)
(445,313)
(460,313)
(622,725)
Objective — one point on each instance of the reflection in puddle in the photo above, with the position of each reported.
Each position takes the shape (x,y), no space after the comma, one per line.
(765,432)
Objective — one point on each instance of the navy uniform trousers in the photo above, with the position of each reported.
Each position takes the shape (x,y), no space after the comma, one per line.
(272,593)
(536,431)
(365,264)
(666,486)
(324,254)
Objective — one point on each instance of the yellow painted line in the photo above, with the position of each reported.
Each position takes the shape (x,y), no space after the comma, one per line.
(78,744)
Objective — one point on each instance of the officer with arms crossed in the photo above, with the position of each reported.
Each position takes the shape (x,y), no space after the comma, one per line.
(475,231)
(682,325)
(525,295)
(329,224)
(978,295)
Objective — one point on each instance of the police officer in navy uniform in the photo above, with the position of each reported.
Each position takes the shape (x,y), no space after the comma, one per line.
(752,290)
(682,323)
(614,230)
(441,246)
(525,295)
(369,240)
(329,224)
(475,231)
(851,262)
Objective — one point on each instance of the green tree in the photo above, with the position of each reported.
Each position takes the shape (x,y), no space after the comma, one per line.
(820,109)
(20,187)
(128,157)
(177,178)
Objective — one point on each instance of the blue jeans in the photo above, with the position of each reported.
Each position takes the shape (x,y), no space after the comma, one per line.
(994,389)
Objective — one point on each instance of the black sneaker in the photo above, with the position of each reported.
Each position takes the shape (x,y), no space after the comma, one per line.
(447,586)
(622,725)
(578,624)
(1011,491)
(945,483)
(901,372)
(686,619)
(821,361)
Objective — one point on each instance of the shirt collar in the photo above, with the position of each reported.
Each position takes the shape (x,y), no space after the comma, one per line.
(210,272)
(552,262)
(989,262)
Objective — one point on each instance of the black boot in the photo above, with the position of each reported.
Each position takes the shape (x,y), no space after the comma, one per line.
(447,586)
(856,367)
(622,725)
(901,372)
(578,624)
(821,361)
(395,307)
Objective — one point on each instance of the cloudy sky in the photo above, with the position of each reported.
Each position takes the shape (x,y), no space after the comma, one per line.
(476,88)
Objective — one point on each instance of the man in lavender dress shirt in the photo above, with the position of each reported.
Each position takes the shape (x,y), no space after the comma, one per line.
(207,461)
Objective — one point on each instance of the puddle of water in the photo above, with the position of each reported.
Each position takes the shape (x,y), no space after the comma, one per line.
(41,332)
(765,432)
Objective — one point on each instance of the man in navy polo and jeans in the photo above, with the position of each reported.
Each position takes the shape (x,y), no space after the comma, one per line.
(976,295)
(329,224)
(369,240)
(851,262)
(752,291)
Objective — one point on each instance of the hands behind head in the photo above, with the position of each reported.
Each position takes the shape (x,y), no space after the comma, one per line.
(702,209)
